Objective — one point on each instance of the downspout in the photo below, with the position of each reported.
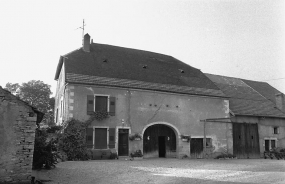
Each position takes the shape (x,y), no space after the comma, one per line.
(64,88)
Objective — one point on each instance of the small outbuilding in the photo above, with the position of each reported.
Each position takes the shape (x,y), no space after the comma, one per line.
(18,121)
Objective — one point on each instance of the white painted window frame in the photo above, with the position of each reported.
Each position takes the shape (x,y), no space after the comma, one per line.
(106,127)
(108,101)
(270,139)
(278,130)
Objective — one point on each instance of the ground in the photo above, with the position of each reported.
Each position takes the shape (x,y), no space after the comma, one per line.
(167,171)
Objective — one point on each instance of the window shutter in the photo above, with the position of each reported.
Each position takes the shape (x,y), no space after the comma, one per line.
(90,104)
(89,137)
(112,137)
(112,106)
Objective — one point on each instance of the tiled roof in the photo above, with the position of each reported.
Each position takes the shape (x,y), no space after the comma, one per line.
(126,83)
(248,97)
(264,89)
(137,66)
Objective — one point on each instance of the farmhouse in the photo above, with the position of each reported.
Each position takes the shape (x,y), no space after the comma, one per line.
(157,104)
(154,96)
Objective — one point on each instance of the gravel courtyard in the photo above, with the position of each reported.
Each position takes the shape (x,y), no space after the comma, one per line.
(167,171)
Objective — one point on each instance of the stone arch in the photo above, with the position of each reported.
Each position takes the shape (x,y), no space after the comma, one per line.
(163,123)
(160,139)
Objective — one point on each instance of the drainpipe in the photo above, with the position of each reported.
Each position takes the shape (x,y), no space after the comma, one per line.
(64,88)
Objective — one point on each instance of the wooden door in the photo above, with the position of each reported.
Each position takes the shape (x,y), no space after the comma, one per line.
(162,147)
(123,146)
(246,140)
(196,147)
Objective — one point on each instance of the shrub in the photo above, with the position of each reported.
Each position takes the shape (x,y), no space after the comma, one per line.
(137,153)
(44,151)
(226,155)
(73,140)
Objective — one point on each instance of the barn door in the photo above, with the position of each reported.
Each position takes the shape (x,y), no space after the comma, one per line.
(246,140)
(196,147)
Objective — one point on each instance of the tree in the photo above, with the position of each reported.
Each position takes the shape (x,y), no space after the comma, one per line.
(37,94)
(13,88)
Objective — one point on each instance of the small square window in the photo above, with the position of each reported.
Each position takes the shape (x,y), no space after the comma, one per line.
(208,142)
(275,130)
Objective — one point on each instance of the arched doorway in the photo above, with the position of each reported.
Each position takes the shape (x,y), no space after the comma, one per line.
(159,140)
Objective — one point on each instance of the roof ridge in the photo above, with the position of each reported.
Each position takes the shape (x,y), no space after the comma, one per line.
(130,49)
(236,78)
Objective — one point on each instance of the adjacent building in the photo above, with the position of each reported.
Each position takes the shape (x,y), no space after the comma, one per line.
(18,121)
(258,115)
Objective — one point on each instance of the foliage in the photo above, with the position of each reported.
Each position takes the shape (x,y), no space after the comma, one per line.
(37,94)
(73,140)
(225,155)
(13,88)
(44,150)
(114,155)
(134,136)
(137,153)
(99,115)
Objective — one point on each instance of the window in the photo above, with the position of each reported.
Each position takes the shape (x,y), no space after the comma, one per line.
(100,137)
(275,130)
(208,142)
(103,103)
(270,144)
(61,108)
(56,116)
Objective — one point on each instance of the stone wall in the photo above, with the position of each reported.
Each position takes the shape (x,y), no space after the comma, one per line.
(17,136)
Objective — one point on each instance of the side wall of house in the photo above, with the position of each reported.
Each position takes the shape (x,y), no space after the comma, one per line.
(60,101)
(265,129)
(136,110)
(17,136)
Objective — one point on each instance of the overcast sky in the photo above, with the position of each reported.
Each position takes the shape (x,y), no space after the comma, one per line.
(236,38)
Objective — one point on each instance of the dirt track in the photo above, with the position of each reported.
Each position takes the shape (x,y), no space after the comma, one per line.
(168,171)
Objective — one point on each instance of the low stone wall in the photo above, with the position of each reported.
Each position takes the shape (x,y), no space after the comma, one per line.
(17,136)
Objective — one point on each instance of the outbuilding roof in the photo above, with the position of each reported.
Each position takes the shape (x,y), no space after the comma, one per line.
(132,68)
(248,97)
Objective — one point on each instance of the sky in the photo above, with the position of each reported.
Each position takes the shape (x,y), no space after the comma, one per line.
(235,38)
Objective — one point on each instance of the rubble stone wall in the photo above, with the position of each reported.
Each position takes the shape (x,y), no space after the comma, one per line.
(17,136)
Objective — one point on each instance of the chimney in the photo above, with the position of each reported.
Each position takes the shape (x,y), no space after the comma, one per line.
(86,43)
(280,101)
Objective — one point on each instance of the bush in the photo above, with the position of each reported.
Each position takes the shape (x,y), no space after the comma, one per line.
(44,151)
(137,153)
(73,141)
(226,155)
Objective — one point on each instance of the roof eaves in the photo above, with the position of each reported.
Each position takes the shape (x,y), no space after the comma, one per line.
(60,62)
(58,68)
(135,84)
(256,115)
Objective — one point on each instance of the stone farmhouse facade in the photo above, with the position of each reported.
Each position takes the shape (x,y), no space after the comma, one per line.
(174,109)
(18,121)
